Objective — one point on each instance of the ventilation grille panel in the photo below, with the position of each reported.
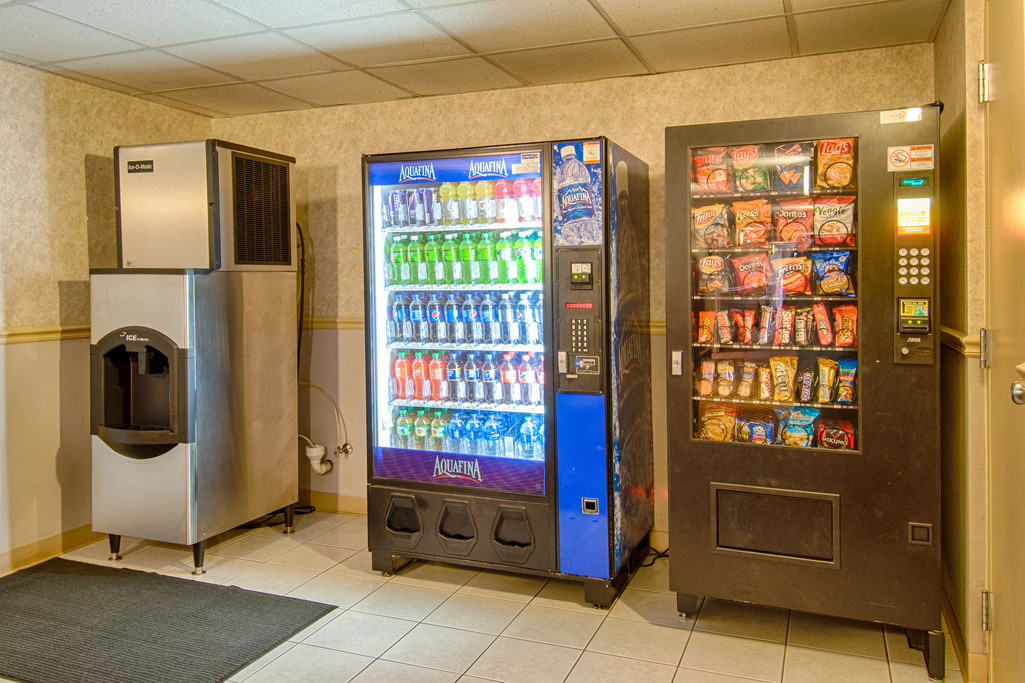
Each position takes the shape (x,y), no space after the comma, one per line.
(262,216)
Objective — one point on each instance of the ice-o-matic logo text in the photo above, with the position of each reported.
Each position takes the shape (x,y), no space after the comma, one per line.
(451,468)
(140,166)
(492,167)
(128,336)
(418,172)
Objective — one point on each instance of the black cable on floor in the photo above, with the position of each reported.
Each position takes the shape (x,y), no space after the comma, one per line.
(654,554)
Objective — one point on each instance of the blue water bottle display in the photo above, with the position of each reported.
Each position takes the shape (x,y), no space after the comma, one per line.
(576,204)
(474,433)
(492,432)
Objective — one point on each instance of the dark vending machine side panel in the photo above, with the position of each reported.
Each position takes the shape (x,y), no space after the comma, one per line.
(803,369)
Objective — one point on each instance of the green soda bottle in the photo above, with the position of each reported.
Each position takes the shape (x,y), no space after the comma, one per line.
(435,266)
(508,266)
(417,264)
(468,258)
(525,257)
(421,431)
(450,257)
(488,269)
(539,257)
(399,264)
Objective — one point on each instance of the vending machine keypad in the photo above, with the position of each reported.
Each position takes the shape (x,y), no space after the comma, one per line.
(578,319)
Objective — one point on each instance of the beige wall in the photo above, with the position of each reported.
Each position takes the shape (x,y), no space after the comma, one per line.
(57,193)
(958,47)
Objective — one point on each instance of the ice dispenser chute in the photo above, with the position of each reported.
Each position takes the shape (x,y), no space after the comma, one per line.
(140,401)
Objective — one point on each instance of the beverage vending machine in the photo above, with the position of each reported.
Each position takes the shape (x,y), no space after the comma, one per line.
(508,373)
(803,369)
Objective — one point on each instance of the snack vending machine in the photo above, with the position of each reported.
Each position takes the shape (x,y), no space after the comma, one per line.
(803,378)
(509,372)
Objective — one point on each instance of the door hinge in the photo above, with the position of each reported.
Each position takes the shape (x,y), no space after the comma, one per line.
(983,82)
(984,347)
(987,610)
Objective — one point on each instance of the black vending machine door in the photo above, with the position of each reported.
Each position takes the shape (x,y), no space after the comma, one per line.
(803,364)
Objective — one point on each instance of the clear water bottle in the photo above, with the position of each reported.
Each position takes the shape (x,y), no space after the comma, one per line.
(474,433)
(452,441)
(491,327)
(523,447)
(492,433)
(538,447)
(573,189)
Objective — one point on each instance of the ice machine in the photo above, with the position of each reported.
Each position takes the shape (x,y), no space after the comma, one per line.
(193,346)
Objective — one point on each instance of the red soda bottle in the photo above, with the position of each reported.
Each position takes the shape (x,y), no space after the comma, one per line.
(436,372)
(420,377)
(510,379)
(401,374)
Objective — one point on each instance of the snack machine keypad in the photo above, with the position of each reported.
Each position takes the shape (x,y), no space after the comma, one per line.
(914,268)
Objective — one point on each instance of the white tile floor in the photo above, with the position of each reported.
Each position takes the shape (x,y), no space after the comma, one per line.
(436,622)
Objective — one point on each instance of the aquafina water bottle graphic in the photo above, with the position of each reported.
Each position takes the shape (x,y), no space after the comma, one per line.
(576,205)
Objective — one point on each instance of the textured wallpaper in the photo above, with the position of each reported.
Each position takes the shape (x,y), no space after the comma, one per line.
(57,187)
(633,111)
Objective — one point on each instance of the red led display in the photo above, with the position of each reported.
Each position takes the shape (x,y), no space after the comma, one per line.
(579,304)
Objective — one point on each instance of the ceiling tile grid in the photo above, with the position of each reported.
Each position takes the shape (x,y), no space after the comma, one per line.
(236,57)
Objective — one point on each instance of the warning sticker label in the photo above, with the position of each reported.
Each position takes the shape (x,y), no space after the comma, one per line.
(910,158)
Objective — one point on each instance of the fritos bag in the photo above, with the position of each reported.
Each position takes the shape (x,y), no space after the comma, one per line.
(711,226)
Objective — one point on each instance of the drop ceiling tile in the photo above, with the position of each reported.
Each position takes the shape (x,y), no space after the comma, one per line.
(345,87)
(380,40)
(448,77)
(147,70)
(300,12)
(643,17)
(256,57)
(155,22)
(184,106)
(239,98)
(517,24)
(22,29)
(746,41)
(569,63)
(865,26)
